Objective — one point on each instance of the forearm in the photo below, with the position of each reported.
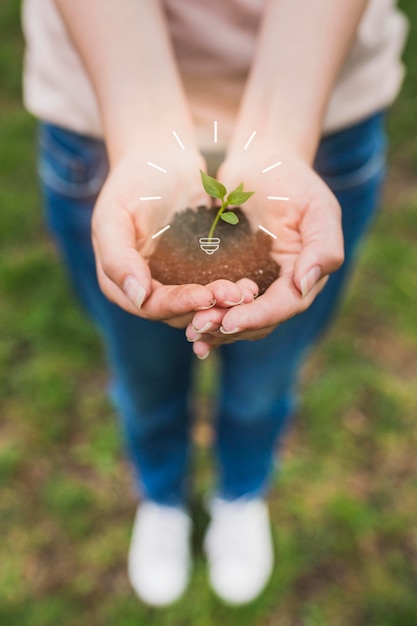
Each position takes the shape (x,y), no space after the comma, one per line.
(301,48)
(127,53)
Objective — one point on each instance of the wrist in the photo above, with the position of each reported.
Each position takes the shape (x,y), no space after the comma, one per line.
(277,132)
(160,143)
(268,149)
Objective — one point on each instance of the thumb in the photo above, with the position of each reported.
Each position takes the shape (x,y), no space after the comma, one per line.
(322,253)
(123,274)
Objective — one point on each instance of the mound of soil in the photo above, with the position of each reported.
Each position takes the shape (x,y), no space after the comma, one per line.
(178,259)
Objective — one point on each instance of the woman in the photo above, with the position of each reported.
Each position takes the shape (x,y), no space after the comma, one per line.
(119,87)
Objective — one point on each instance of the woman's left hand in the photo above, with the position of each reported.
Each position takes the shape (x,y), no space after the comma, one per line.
(304,218)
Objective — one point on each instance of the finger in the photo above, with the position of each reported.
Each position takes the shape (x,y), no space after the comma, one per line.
(203,342)
(226,293)
(280,302)
(202,350)
(169,301)
(208,321)
(322,252)
(229,294)
(248,335)
(123,274)
(249,289)
(209,329)
(114,294)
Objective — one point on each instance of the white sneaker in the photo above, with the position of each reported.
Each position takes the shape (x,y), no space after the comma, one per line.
(239,549)
(159,555)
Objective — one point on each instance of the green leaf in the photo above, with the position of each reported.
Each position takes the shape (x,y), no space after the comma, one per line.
(230,217)
(212,186)
(238,197)
(238,188)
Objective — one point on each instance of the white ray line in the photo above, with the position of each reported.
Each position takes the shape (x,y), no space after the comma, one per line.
(268,232)
(150,198)
(277,198)
(247,144)
(271,167)
(179,140)
(157,167)
(160,231)
(215,132)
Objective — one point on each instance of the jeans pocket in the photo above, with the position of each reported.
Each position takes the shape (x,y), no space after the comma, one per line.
(353,156)
(71,164)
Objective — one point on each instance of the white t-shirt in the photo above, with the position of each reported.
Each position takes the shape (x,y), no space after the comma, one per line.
(214,42)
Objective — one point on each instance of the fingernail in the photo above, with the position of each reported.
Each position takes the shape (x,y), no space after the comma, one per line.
(229,332)
(196,338)
(203,356)
(134,291)
(309,280)
(205,328)
(230,303)
(210,306)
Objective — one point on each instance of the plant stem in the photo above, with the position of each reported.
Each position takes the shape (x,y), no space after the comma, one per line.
(216,219)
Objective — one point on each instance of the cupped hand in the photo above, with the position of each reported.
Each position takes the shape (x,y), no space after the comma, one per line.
(303,219)
(139,199)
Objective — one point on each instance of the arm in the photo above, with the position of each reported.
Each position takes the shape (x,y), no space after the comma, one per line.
(126,50)
(301,48)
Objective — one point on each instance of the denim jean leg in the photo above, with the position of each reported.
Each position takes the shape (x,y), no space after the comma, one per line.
(258,393)
(150,362)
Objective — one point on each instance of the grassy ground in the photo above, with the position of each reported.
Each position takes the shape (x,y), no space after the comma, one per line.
(345,506)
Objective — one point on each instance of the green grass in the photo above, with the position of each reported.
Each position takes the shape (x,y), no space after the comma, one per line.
(344,506)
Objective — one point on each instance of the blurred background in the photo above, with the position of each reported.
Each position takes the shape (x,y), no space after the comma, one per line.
(344,507)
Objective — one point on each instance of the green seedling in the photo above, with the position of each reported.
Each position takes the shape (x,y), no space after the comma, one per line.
(234,198)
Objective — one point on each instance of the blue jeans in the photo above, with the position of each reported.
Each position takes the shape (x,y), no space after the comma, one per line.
(151,363)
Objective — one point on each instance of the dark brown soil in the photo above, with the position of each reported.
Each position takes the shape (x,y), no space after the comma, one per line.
(178,259)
